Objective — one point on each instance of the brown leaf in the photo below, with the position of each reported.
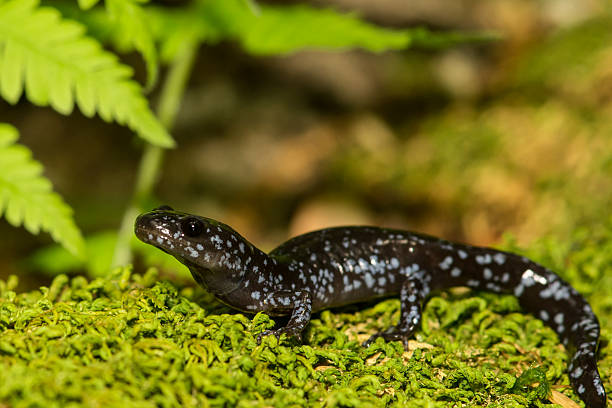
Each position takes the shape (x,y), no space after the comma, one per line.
(557,398)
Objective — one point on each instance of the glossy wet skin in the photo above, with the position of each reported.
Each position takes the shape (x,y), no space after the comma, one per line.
(339,266)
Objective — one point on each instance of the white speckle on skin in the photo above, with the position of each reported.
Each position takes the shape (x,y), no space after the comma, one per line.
(160,240)
(455,273)
(577,372)
(256,295)
(199,247)
(369,280)
(552,290)
(192,252)
(446,263)
(150,236)
(559,318)
(581,389)
(462,254)
(483,259)
(544,315)
(499,258)
(505,277)
(493,286)
(487,273)
(394,263)
(529,278)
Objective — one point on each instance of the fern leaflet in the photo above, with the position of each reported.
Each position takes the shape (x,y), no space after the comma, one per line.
(27,198)
(132,28)
(58,65)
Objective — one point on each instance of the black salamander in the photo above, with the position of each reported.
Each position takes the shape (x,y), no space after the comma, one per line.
(338,266)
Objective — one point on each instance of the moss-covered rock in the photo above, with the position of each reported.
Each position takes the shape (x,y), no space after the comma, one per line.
(137,341)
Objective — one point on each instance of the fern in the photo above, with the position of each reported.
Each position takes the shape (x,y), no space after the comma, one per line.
(132,28)
(265,30)
(26,197)
(278,30)
(283,30)
(59,65)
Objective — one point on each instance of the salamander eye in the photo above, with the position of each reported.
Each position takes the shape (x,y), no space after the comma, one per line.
(164,208)
(192,227)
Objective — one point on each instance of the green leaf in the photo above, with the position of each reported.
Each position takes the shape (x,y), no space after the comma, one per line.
(267,30)
(132,29)
(59,66)
(27,198)
(283,30)
(278,30)
(87,4)
(55,260)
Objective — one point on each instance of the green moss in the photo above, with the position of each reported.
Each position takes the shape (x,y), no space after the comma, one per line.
(138,341)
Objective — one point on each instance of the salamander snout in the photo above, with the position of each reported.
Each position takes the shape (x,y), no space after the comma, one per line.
(154,226)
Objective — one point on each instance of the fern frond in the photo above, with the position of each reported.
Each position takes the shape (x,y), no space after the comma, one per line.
(268,30)
(132,28)
(27,198)
(278,30)
(58,65)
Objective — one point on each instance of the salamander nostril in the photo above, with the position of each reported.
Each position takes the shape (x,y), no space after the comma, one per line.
(164,208)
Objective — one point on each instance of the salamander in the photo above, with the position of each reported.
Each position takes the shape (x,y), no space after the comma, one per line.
(338,266)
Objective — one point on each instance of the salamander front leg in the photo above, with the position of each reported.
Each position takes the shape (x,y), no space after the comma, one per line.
(411,297)
(301,302)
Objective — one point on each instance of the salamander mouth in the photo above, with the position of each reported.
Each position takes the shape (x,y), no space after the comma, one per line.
(142,233)
(145,234)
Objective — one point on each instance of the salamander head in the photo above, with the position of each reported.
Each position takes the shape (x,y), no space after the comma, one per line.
(211,250)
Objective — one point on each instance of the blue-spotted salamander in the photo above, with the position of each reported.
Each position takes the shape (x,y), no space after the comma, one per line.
(338,266)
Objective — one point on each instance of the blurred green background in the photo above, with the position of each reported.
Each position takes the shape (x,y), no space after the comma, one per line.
(468,142)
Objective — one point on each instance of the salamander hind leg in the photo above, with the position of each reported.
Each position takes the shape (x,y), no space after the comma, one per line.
(300,304)
(412,295)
